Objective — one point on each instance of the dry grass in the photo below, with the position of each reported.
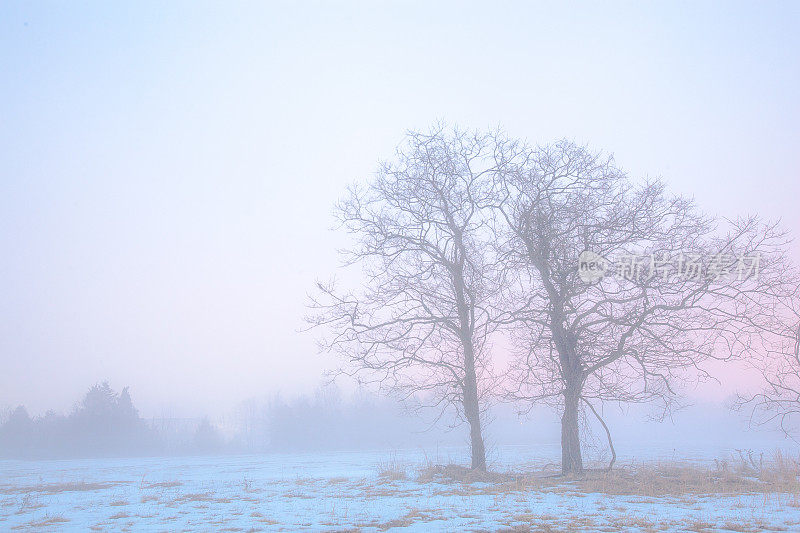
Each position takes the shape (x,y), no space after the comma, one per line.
(200,497)
(742,527)
(56,488)
(392,470)
(161,485)
(677,478)
(197,497)
(535,528)
(266,521)
(775,479)
(36,525)
(742,475)
(28,503)
(461,474)
(528,523)
(412,516)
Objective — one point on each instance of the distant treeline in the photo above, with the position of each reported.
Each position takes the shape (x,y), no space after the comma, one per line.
(102,423)
(106,423)
(328,421)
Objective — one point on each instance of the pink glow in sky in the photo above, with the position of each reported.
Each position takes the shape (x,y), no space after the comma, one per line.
(167,173)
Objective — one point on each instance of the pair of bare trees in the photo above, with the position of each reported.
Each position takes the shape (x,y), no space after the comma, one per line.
(465,235)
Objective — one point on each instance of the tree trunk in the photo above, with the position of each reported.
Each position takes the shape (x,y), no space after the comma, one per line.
(472,412)
(571,461)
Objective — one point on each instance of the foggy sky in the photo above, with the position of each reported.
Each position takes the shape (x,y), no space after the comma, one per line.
(168,170)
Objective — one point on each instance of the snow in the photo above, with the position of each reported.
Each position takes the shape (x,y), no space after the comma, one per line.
(341,491)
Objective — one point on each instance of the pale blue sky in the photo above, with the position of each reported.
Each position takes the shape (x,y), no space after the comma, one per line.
(167,169)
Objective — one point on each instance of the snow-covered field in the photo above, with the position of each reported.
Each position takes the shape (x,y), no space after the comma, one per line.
(345,492)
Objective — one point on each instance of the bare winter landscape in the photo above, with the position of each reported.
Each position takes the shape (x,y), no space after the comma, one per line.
(380,492)
(399,266)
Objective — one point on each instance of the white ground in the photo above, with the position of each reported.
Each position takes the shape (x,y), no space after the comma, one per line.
(340,491)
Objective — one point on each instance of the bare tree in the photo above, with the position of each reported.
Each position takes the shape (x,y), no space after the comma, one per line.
(778,401)
(421,319)
(678,288)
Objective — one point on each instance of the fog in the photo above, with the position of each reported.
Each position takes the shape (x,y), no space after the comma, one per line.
(361,266)
(105,422)
(168,173)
